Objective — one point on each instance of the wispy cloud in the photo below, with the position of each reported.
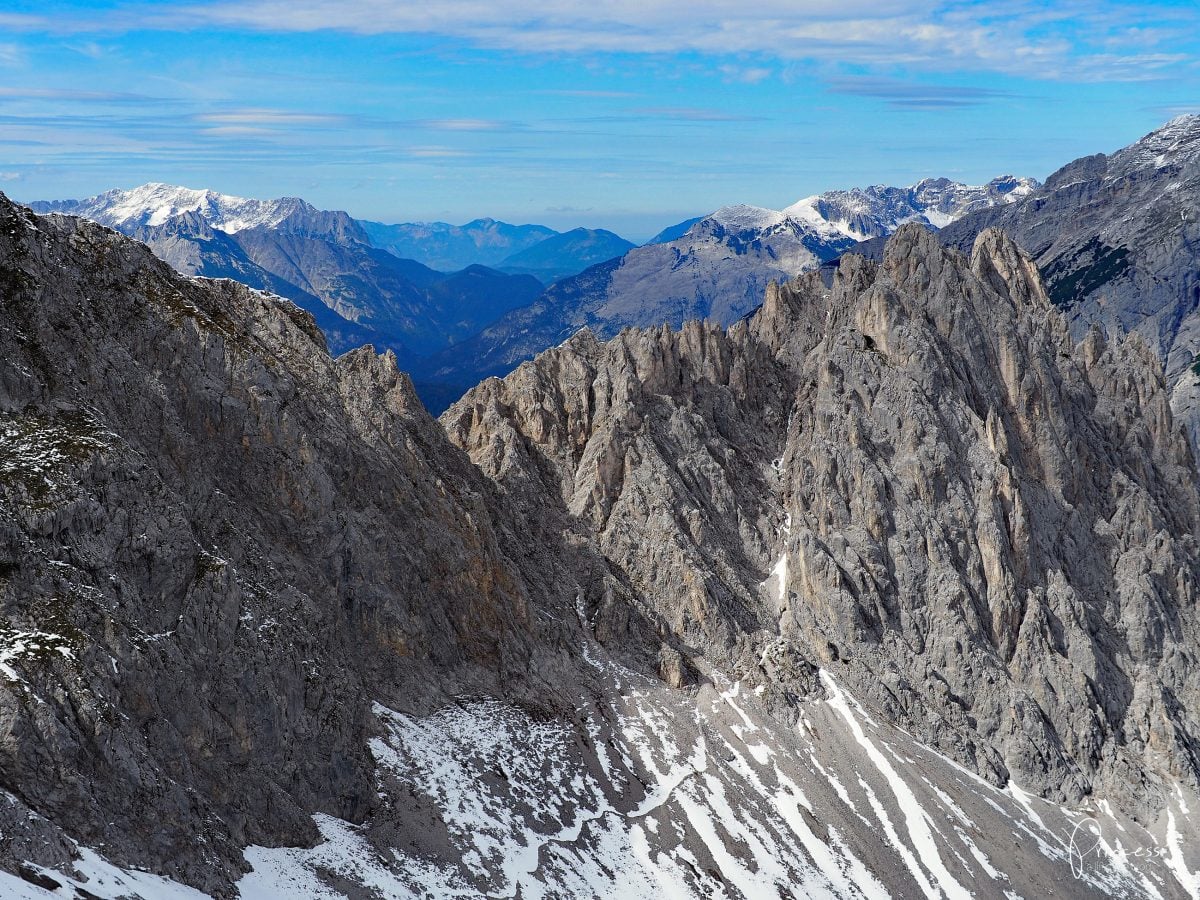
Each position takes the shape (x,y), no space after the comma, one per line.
(691,114)
(240,131)
(1170,111)
(11,54)
(438,152)
(745,74)
(10,176)
(616,95)
(72,96)
(1071,39)
(461,124)
(266,118)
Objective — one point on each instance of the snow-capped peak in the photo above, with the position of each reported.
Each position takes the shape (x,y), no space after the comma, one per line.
(1178,138)
(862,213)
(155,203)
(743,217)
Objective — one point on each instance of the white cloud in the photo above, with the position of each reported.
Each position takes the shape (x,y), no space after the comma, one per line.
(10,54)
(690,114)
(1016,36)
(10,176)
(27,93)
(1072,40)
(745,74)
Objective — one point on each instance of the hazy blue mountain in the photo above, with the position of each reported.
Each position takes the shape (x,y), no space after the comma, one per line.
(674,232)
(449,248)
(567,254)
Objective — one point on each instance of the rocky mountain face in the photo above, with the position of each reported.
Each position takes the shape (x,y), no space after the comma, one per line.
(191,245)
(716,267)
(218,547)
(915,478)
(887,589)
(1115,238)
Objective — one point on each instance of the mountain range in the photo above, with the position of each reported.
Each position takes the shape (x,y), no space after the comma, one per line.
(322,260)
(451,331)
(886,589)
(448,248)
(716,268)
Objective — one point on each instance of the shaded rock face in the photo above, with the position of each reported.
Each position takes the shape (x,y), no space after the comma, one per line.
(916,479)
(218,545)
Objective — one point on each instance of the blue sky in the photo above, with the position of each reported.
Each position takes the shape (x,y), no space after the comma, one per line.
(621,114)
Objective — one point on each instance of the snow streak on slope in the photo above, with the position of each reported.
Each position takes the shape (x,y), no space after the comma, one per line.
(657,793)
(96,877)
(650,792)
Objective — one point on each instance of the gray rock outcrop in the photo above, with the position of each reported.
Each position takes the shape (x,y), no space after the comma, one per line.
(916,478)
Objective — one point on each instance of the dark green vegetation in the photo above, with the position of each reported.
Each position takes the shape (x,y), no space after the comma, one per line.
(1070,278)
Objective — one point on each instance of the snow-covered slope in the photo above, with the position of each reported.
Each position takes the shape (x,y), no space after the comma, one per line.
(659,793)
(742,217)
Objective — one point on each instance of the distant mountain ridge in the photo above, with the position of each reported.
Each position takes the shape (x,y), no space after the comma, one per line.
(876,211)
(155,203)
(323,260)
(449,248)
(717,267)
(366,280)
(561,255)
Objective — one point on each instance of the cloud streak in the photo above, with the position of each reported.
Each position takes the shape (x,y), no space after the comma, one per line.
(915,96)
(690,114)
